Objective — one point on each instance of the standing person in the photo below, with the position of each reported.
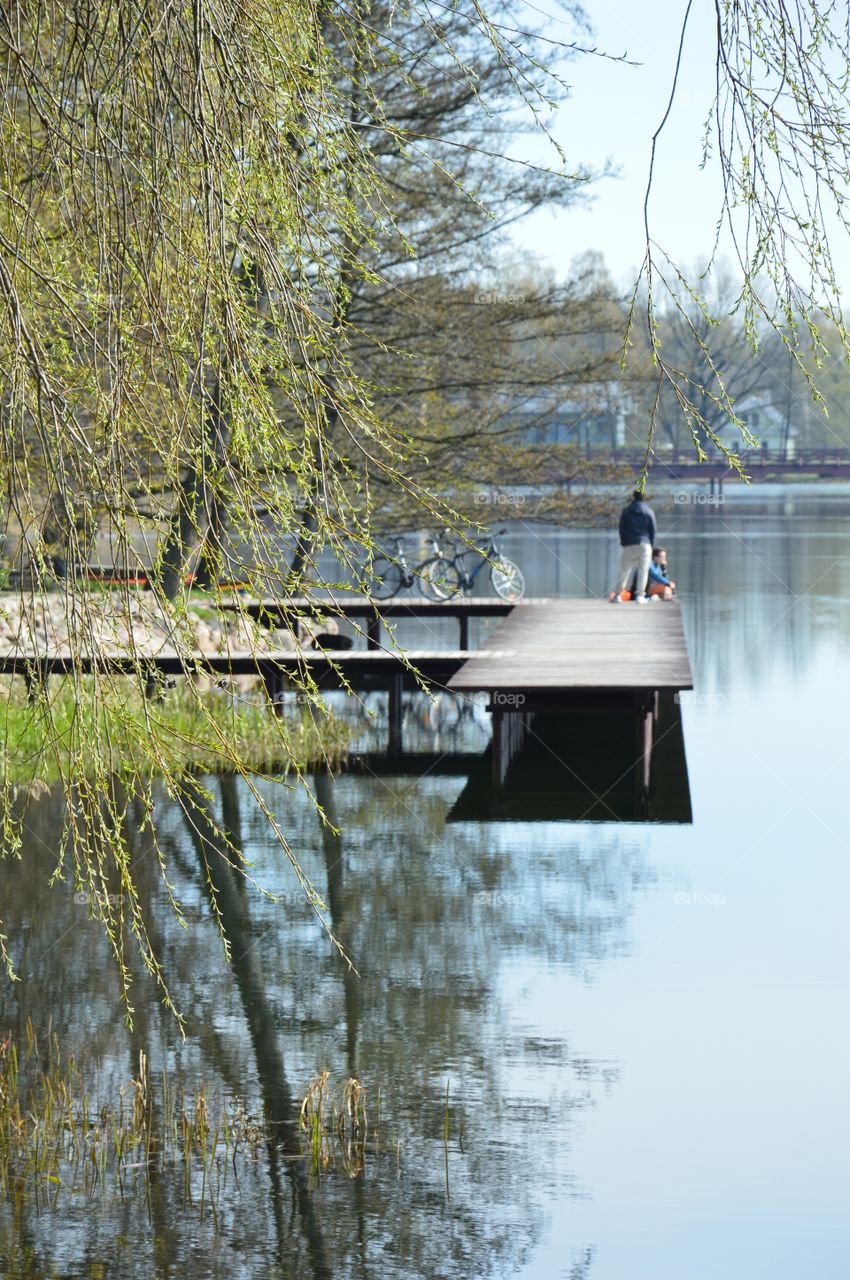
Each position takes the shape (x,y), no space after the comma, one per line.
(637,534)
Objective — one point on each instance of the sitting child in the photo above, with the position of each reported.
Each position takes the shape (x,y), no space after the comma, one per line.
(659,580)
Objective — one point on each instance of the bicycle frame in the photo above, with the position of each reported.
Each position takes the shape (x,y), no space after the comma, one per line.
(400,559)
(486,555)
(411,573)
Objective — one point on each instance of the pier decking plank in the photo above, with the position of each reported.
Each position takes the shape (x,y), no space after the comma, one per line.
(360,668)
(352,606)
(563,645)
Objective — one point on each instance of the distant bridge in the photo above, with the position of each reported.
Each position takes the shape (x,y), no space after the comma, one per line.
(824,464)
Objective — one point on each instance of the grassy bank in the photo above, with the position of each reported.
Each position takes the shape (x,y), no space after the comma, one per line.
(91,724)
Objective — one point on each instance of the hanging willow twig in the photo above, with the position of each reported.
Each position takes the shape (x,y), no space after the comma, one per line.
(778,131)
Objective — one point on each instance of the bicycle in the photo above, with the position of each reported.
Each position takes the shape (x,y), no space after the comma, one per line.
(386,575)
(451,576)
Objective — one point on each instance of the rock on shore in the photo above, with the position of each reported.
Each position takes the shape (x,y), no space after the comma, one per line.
(114,623)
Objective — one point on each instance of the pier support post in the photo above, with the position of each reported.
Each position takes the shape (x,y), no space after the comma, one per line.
(273,680)
(509,731)
(35,680)
(645,713)
(394,715)
(497,748)
(463,619)
(373,631)
(150,683)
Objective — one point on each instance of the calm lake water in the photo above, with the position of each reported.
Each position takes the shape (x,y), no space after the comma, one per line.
(644,1028)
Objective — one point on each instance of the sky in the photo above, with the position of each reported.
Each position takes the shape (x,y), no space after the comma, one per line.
(612,114)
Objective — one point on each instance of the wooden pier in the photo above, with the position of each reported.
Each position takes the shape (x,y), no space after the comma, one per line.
(556,647)
(578,655)
(547,661)
(281,671)
(372,614)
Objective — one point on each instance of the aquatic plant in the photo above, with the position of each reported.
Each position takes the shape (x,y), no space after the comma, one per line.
(63,1133)
(335,1126)
(60,1136)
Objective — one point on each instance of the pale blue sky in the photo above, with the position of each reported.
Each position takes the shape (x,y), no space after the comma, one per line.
(613,112)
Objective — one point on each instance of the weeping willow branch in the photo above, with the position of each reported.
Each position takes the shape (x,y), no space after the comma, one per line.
(191,194)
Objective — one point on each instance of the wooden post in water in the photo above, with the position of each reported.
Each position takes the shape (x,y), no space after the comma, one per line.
(150,684)
(373,631)
(645,712)
(509,732)
(497,747)
(273,680)
(35,680)
(394,715)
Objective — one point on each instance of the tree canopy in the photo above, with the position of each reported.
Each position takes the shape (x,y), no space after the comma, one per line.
(254,302)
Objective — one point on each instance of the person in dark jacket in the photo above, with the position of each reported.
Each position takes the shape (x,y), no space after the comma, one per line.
(637,534)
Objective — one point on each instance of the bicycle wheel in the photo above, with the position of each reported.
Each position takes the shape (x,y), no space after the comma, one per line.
(507,579)
(383,578)
(439,579)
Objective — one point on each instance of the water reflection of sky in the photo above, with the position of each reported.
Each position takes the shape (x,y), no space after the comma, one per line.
(722,1148)
(644,1030)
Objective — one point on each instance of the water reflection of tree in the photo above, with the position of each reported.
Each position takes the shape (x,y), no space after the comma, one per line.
(227,894)
(405,896)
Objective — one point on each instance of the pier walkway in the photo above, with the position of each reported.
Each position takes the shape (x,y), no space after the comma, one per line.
(547,662)
(556,647)
(568,656)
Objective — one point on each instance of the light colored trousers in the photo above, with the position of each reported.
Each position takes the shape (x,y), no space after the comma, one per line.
(632,558)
